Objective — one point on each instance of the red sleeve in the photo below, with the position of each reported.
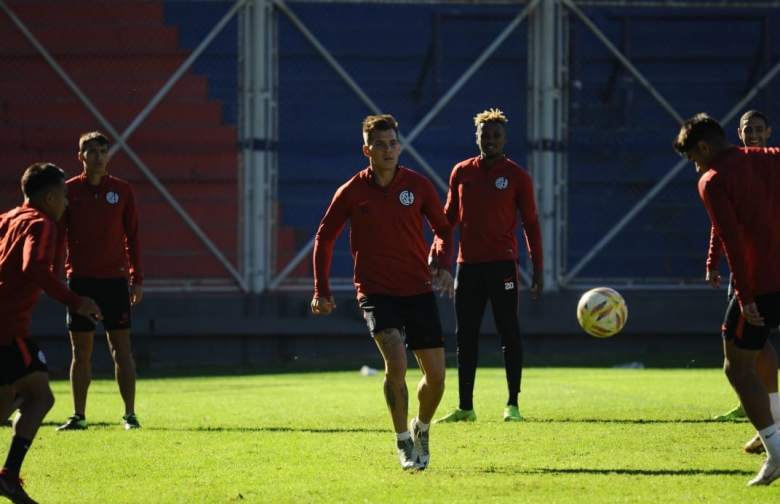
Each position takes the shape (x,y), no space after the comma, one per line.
(132,240)
(724,220)
(526,203)
(59,247)
(452,212)
(37,263)
(440,225)
(332,223)
(715,250)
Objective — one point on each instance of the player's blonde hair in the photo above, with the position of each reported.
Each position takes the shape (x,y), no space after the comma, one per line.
(492,115)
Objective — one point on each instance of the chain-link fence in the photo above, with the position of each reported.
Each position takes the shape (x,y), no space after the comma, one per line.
(138,71)
(632,72)
(167,81)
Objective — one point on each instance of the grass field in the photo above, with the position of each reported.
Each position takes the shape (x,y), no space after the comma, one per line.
(590,435)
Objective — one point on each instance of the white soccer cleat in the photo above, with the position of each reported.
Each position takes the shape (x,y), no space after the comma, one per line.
(755,445)
(420,439)
(769,472)
(407,454)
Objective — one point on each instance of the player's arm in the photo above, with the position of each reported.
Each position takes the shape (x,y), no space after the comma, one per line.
(452,212)
(712,276)
(525,200)
(715,197)
(331,226)
(441,258)
(130,222)
(59,245)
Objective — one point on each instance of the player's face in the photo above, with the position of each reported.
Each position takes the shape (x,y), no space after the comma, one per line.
(700,155)
(491,138)
(383,150)
(95,157)
(57,201)
(754,132)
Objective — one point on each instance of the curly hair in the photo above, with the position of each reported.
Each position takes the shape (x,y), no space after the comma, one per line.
(492,115)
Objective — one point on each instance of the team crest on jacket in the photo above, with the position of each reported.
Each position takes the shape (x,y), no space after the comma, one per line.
(502,183)
(112,197)
(406,198)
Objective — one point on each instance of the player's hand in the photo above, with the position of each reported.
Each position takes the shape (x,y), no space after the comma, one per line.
(89,308)
(713,278)
(322,306)
(136,293)
(443,282)
(537,284)
(750,312)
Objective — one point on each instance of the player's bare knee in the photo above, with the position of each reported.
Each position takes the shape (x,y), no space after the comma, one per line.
(435,377)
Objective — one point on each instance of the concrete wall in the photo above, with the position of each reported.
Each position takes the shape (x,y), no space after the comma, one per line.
(246,331)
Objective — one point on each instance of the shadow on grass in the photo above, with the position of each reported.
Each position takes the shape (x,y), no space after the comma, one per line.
(267,429)
(90,424)
(635,421)
(643,472)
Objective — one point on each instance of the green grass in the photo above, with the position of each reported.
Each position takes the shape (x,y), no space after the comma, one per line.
(590,435)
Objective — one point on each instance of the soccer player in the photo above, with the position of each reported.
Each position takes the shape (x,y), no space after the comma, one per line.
(754,129)
(99,233)
(386,205)
(740,188)
(27,243)
(484,197)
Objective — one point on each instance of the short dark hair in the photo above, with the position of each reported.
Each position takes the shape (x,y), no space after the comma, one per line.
(750,114)
(700,127)
(39,177)
(382,122)
(89,136)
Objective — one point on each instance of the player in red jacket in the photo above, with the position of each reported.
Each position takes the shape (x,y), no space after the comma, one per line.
(486,193)
(99,233)
(754,129)
(27,243)
(740,188)
(386,205)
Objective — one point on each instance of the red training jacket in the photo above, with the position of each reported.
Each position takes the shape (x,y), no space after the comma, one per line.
(485,201)
(741,191)
(27,242)
(386,236)
(100,226)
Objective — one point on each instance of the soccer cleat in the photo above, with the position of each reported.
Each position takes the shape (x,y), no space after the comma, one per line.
(407,454)
(458,415)
(74,423)
(131,421)
(12,488)
(755,445)
(769,472)
(733,414)
(512,414)
(420,440)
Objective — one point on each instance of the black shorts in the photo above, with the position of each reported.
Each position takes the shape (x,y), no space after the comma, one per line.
(744,335)
(19,359)
(417,317)
(112,295)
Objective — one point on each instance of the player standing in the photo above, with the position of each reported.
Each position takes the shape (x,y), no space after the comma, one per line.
(99,233)
(27,243)
(754,129)
(386,204)
(740,188)
(484,197)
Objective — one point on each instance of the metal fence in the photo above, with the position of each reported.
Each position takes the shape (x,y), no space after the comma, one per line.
(236,120)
